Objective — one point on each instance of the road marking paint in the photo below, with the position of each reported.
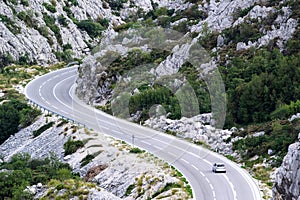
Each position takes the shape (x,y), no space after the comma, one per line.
(106,122)
(195,167)
(172,154)
(202,173)
(64,112)
(231,186)
(118,132)
(212,188)
(161,141)
(146,143)
(185,161)
(157,147)
(55,107)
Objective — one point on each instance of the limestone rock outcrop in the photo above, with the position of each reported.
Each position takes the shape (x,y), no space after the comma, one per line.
(287,177)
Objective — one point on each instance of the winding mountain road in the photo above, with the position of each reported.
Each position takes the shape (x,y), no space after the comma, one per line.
(55,92)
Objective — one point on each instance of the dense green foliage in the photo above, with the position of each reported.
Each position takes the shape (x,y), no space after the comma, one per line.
(71,146)
(42,129)
(24,2)
(24,171)
(50,22)
(13,114)
(152,96)
(93,28)
(5,59)
(49,7)
(285,111)
(243,32)
(136,150)
(116,4)
(260,82)
(279,134)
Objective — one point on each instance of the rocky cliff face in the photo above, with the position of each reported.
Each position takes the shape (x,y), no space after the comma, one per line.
(287,181)
(25,28)
(271,23)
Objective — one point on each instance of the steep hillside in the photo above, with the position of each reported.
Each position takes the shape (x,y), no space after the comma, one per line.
(165,63)
(45,31)
(238,38)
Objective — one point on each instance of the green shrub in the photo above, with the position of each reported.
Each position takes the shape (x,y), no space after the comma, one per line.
(74,2)
(136,150)
(167,187)
(24,2)
(71,146)
(66,55)
(129,189)
(116,4)
(49,7)
(15,2)
(9,118)
(28,115)
(5,59)
(22,15)
(50,22)
(94,29)
(86,160)
(13,114)
(279,134)
(285,111)
(10,24)
(25,171)
(62,20)
(42,129)
(244,32)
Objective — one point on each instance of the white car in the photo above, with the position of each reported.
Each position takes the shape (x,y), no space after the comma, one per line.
(219,167)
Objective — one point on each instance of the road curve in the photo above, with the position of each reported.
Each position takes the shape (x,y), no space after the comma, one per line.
(55,92)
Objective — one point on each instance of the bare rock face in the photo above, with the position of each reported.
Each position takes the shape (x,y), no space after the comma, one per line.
(287,181)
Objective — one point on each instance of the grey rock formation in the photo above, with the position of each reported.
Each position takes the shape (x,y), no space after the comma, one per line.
(51,141)
(287,179)
(197,128)
(221,14)
(27,38)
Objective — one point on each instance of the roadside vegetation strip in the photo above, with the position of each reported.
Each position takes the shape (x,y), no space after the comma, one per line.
(15,112)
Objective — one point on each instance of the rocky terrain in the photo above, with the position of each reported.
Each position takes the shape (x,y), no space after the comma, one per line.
(288,175)
(221,16)
(91,32)
(198,129)
(117,172)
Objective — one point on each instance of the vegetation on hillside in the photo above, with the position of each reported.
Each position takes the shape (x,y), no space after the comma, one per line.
(22,171)
(15,113)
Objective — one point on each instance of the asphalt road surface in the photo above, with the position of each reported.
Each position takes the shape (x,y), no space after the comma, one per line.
(55,92)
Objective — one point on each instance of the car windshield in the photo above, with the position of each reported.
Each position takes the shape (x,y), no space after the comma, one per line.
(220,165)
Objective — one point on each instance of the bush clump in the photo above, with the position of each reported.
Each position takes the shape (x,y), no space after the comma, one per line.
(71,146)
(22,171)
(136,150)
(42,129)
(94,29)
(13,114)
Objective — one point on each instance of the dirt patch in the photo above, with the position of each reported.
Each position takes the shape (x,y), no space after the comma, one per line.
(94,171)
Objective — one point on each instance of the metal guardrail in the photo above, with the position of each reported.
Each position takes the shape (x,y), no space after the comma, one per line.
(43,108)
